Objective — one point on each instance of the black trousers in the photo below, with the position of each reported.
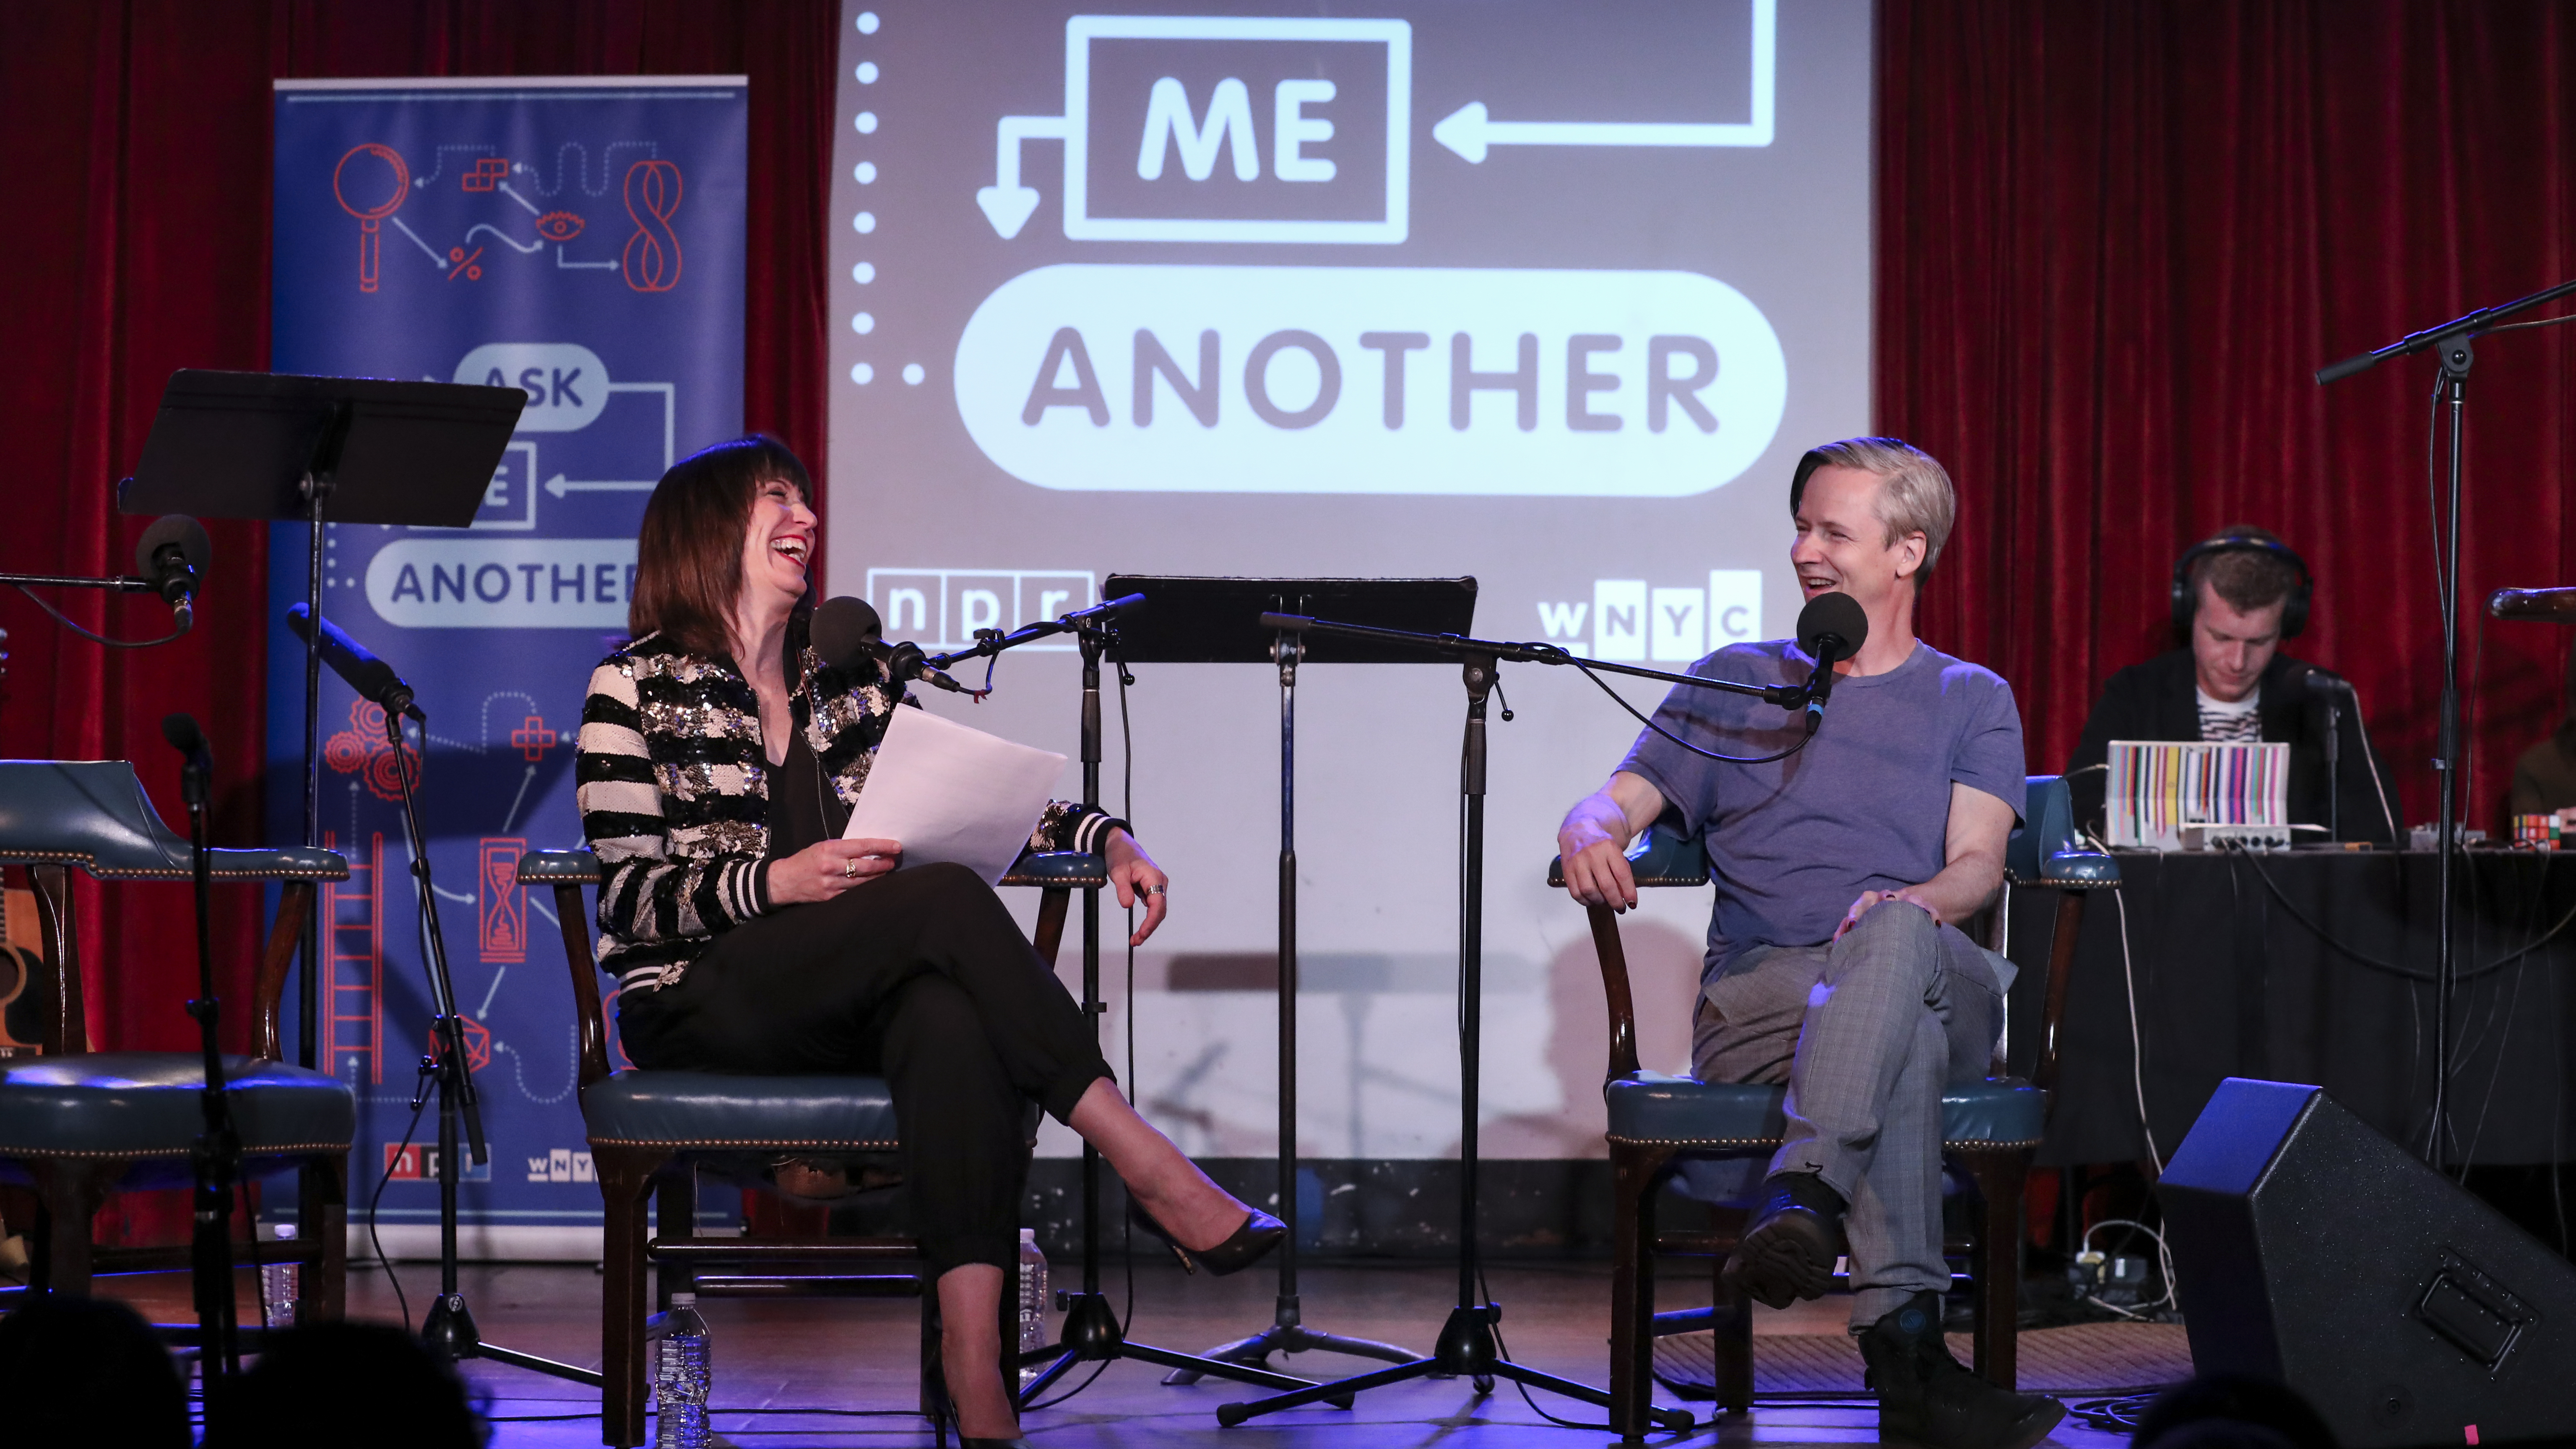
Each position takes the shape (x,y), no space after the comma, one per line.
(922,977)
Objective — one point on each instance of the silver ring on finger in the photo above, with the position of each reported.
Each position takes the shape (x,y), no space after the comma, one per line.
(1158,890)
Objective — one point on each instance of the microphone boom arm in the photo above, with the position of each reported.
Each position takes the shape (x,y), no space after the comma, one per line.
(1080,621)
(122,583)
(1787,696)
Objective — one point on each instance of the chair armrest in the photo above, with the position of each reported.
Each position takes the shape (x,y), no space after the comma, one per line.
(2080,870)
(576,867)
(1666,861)
(285,862)
(1058,869)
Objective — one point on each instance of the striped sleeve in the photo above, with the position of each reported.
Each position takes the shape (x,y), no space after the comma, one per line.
(1068,826)
(646,894)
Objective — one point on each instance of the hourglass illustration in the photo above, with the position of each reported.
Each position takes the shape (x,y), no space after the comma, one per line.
(370,216)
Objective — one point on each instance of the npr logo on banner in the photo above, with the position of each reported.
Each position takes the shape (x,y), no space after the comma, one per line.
(1633,622)
(415,1162)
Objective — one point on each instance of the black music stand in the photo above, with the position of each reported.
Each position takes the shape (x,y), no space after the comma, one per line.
(326,450)
(1217,621)
(1468,1345)
(1092,1332)
(348,450)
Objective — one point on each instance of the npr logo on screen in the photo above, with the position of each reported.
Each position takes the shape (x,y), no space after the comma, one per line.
(940,609)
(1633,621)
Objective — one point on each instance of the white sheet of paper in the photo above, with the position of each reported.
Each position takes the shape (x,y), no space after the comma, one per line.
(949,792)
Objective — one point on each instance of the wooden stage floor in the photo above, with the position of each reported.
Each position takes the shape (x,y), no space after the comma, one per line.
(778,1357)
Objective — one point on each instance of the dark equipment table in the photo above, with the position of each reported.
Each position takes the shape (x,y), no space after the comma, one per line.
(2250,966)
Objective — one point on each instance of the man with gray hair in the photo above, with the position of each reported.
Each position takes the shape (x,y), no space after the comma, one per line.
(1834,962)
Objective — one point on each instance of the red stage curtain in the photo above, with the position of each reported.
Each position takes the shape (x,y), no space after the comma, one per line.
(2114,240)
(143,168)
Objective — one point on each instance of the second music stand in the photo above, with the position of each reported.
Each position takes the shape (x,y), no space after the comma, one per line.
(1217,621)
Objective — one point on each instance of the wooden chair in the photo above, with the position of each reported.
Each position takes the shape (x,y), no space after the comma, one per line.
(653,1132)
(1990,1130)
(79,1125)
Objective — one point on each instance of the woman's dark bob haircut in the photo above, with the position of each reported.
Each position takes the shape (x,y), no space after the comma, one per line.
(688,560)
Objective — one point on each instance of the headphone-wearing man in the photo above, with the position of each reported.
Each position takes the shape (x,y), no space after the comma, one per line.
(2235,598)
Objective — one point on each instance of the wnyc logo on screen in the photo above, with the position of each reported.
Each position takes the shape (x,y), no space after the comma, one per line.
(1634,621)
(1294,378)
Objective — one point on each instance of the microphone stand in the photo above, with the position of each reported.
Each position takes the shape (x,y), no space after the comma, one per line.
(2334,770)
(216,1157)
(2450,341)
(1468,1346)
(448,1328)
(1092,1332)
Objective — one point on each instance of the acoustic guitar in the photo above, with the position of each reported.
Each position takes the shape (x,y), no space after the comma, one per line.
(22,960)
(22,948)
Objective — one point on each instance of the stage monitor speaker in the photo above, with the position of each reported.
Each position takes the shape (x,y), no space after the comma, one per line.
(2310,1249)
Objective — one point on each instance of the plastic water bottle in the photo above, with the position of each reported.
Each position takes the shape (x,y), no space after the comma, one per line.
(1033,1301)
(277,1284)
(683,1370)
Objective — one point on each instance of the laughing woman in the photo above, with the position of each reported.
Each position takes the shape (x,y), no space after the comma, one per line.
(719,756)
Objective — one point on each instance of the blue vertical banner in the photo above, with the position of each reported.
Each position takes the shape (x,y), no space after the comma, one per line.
(582,240)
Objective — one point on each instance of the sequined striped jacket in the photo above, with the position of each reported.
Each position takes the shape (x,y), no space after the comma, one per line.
(673,787)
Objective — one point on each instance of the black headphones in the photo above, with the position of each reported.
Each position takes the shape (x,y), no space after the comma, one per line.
(2186,592)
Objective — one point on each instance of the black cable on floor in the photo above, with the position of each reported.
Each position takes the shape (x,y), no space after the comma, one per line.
(378,1197)
(1486,1291)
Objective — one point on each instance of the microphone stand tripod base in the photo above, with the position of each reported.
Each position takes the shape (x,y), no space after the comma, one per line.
(1092,1335)
(449,1332)
(1286,1334)
(1466,1350)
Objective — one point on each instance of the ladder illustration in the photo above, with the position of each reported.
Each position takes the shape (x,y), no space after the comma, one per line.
(354,960)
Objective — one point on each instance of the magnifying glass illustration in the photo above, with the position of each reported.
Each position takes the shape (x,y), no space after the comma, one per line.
(370,216)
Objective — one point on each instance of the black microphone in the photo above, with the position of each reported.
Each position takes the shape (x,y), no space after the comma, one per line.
(173,553)
(1832,627)
(1124,604)
(181,730)
(2321,682)
(372,678)
(846,631)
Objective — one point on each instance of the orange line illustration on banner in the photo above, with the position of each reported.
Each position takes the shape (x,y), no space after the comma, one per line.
(478,1042)
(652,255)
(362,750)
(459,260)
(371,214)
(504,934)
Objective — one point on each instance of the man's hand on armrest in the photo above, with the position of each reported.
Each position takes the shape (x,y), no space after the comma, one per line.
(1595,835)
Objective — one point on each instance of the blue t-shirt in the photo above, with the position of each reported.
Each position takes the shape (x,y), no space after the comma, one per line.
(1866,806)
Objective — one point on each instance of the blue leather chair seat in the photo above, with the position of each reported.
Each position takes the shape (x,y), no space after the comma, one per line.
(714,1111)
(108,1105)
(1654,1108)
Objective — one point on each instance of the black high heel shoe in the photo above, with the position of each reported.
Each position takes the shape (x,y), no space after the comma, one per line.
(1259,1234)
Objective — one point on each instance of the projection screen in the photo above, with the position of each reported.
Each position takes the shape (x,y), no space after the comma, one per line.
(1550,294)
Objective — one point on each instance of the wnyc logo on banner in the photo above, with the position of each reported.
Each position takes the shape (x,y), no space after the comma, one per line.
(1634,621)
